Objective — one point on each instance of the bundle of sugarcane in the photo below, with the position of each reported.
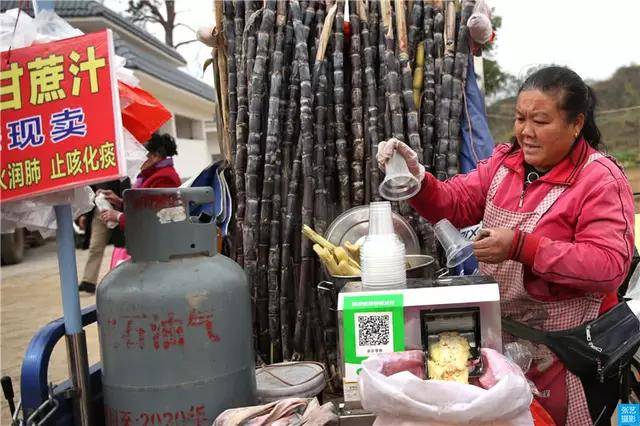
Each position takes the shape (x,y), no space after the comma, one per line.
(306,97)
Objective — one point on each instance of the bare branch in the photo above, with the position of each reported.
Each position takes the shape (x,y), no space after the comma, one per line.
(182,43)
(180,24)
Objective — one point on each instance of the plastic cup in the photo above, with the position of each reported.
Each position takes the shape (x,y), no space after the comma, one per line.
(398,184)
(382,259)
(380,219)
(457,248)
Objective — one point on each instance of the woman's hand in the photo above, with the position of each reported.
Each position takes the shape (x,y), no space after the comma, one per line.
(493,245)
(110,216)
(386,149)
(111,197)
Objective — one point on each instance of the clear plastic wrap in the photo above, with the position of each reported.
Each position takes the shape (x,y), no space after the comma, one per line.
(37,214)
(521,353)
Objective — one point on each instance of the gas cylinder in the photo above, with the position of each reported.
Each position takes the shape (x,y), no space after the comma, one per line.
(174,321)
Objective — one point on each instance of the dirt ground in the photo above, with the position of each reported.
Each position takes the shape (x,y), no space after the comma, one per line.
(29,299)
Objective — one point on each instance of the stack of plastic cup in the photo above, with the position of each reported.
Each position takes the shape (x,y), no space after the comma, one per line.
(382,256)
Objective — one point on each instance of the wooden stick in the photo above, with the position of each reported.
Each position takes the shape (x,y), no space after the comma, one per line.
(224,81)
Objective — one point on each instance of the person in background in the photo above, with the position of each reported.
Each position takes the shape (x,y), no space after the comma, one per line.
(156,172)
(557,217)
(99,236)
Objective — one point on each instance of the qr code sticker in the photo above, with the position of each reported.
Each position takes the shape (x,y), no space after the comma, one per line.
(374,333)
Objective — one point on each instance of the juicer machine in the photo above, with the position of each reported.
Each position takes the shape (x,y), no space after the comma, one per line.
(412,317)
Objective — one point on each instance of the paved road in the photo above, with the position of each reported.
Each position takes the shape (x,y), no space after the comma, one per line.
(29,299)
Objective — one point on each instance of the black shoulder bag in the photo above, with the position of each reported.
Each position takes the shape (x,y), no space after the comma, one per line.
(598,349)
(598,352)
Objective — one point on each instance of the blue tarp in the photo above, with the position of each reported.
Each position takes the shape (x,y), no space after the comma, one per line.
(477,142)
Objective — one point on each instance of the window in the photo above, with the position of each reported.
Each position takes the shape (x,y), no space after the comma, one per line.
(184,127)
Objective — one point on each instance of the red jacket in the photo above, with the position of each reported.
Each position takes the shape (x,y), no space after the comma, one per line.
(163,177)
(584,243)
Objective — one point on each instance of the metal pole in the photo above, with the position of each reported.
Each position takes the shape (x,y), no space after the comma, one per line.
(76,340)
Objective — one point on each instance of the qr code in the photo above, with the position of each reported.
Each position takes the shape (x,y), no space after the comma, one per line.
(374,333)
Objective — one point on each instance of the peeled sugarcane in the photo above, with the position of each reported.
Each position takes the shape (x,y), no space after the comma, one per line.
(306,131)
(371,92)
(357,115)
(342,160)
(418,75)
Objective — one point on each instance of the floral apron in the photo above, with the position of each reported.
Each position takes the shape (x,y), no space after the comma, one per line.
(518,305)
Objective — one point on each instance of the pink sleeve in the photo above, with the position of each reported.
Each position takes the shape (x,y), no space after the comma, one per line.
(599,257)
(462,198)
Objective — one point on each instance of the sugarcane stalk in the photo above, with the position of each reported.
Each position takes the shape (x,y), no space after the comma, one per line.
(411,113)
(428,100)
(342,161)
(286,274)
(269,212)
(392,80)
(371,93)
(313,53)
(256,272)
(230,37)
(357,114)
(319,81)
(252,20)
(330,157)
(306,130)
(415,24)
(242,122)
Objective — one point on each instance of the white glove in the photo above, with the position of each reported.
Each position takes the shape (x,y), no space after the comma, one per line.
(386,150)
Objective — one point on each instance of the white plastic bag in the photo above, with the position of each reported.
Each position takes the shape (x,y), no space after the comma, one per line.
(403,399)
(479,23)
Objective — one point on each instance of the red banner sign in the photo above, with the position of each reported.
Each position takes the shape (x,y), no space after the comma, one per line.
(61,123)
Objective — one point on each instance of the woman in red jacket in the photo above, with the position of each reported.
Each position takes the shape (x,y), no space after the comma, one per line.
(156,172)
(557,219)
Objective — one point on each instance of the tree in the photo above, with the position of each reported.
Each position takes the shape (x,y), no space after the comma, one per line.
(150,11)
(496,80)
